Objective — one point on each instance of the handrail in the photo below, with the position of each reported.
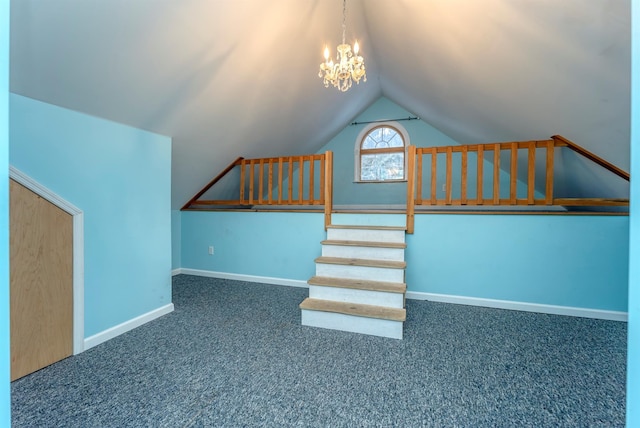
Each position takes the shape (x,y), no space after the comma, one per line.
(303,180)
(586,153)
(212,182)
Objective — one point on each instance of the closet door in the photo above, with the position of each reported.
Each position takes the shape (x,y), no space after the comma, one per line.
(41,262)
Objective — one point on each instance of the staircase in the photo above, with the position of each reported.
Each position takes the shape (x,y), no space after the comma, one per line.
(359,283)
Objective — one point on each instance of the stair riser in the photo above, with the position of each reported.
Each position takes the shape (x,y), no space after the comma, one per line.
(356,252)
(360,272)
(351,295)
(371,235)
(353,324)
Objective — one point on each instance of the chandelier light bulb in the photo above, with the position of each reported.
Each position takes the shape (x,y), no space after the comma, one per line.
(356,48)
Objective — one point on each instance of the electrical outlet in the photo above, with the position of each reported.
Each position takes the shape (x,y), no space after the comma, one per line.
(211,250)
(444,187)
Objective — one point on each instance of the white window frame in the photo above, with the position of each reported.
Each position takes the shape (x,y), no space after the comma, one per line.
(363,133)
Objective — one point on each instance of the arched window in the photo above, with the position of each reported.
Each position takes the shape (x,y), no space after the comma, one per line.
(381,153)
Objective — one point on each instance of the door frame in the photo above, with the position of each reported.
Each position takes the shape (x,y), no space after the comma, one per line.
(78,250)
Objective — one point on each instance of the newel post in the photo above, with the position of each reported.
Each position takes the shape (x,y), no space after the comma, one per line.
(328,188)
(411,177)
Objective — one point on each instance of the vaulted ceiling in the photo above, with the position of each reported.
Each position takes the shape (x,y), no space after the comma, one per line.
(229,78)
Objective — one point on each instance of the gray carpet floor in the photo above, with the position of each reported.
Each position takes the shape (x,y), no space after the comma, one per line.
(234,354)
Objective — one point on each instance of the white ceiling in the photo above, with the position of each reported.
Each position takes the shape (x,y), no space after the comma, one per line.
(229,78)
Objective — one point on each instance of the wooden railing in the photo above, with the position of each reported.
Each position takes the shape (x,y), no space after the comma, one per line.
(424,189)
(482,175)
(304,180)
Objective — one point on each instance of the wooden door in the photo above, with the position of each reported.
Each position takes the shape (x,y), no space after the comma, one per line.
(41,260)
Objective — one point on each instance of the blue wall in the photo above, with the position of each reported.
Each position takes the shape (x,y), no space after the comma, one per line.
(280,245)
(575,261)
(633,351)
(5,361)
(121,178)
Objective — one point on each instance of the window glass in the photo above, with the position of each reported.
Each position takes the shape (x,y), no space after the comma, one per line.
(382,153)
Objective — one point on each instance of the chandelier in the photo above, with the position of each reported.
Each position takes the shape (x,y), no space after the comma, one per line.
(349,66)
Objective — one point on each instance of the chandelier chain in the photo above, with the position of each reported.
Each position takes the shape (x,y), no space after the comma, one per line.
(344,20)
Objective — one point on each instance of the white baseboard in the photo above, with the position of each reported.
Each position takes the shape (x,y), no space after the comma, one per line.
(176,272)
(520,306)
(248,278)
(126,326)
(443,298)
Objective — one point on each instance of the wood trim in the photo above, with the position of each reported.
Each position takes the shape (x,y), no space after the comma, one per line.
(261,181)
(328,188)
(449,172)
(251,180)
(513,185)
(212,182)
(312,196)
(496,175)
(434,176)
(383,150)
(417,160)
(242,178)
(531,173)
(480,174)
(560,140)
(411,178)
(290,198)
(280,179)
(463,178)
(300,179)
(558,201)
(548,189)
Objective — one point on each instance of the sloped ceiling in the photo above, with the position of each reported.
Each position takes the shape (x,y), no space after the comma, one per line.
(239,77)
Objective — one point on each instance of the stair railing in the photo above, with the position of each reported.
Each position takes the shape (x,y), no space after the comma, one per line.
(424,190)
(303,180)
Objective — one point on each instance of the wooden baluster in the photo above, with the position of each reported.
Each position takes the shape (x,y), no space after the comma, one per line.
(531,173)
(261,181)
(548,191)
(496,174)
(328,189)
(270,182)
(322,180)
(312,196)
(463,178)
(290,199)
(417,156)
(514,174)
(251,179)
(480,175)
(411,177)
(448,182)
(280,180)
(434,176)
(242,172)
(300,178)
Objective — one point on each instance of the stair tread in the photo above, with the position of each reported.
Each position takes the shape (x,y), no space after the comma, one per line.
(393,264)
(365,227)
(359,284)
(400,245)
(347,308)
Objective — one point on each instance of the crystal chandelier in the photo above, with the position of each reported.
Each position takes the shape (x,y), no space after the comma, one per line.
(349,66)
